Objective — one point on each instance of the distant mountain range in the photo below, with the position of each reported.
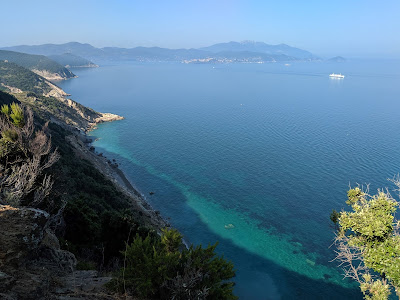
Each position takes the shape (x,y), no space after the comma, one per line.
(259,47)
(255,52)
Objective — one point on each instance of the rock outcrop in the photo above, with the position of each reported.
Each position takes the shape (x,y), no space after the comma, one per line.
(52,75)
(31,260)
(83,285)
(55,91)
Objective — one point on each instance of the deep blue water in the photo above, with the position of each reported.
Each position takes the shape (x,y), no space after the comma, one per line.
(268,148)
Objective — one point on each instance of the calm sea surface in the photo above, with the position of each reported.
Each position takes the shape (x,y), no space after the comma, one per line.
(270,149)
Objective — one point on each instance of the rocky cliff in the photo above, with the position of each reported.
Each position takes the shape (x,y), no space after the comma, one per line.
(30,255)
(32,265)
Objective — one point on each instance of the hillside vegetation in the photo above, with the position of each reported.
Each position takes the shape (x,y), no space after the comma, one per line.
(69,60)
(47,100)
(17,77)
(38,63)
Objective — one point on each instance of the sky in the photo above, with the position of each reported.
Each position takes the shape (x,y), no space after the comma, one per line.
(357,28)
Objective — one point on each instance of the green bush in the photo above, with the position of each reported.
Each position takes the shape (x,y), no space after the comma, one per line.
(162,268)
(17,115)
(368,242)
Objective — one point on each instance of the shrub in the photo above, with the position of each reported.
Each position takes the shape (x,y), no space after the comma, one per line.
(368,242)
(25,154)
(162,268)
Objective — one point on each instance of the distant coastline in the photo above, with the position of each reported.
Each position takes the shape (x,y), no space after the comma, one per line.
(78,54)
(85,66)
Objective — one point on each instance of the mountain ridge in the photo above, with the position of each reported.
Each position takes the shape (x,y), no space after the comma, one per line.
(248,50)
(259,47)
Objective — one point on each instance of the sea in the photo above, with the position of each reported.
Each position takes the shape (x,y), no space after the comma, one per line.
(253,156)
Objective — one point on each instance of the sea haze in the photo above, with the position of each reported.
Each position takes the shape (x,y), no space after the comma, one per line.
(268,148)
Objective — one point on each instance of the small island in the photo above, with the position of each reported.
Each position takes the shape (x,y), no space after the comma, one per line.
(338,59)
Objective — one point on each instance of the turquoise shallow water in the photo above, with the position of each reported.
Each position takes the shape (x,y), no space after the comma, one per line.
(267,148)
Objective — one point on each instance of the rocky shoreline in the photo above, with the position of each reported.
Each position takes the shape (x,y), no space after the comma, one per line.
(104,117)
(83,146)
(32,263)
(85,120)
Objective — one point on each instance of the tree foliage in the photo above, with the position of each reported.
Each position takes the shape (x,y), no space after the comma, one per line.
(163,268)
(25,153)
(17,115)
(368,242)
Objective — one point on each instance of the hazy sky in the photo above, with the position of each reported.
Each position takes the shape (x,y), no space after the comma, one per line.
(335,27)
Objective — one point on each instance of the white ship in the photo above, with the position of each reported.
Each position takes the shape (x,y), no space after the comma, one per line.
(333,75)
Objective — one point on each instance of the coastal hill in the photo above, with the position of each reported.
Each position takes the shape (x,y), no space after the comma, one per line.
(39,64)
(16,79)
(84,50)
(232,52)
(259,47)
(338,59)
(69,60)
(49,100)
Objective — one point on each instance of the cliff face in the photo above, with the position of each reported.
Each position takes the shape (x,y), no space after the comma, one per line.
(30,255)
(52,75)
(64,111)
(32,265)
